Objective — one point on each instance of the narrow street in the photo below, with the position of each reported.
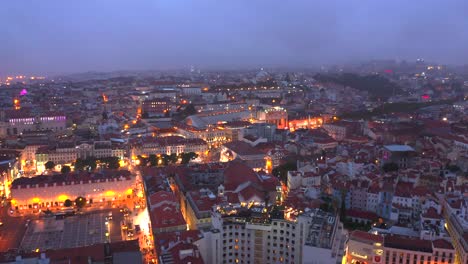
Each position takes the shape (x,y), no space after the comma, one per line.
(142,219)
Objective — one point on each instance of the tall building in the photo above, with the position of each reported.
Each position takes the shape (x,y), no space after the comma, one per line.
(456,216)
(265,234)
(364,247)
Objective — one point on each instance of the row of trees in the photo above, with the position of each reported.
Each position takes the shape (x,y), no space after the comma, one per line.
(164,159)
(91,163)
(88,164)
(80,202)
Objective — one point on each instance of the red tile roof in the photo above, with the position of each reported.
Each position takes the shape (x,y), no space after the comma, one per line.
(238,173)
(408,243)
(166,216)
(242,148)
(162,196)
(432,213)
(364,236)
(249,193)
(164,239)
(362,214)
(442,243)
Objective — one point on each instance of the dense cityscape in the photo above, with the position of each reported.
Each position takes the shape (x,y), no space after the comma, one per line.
(234,132)
(350,164)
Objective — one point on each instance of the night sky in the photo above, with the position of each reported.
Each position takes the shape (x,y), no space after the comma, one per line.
(105,35)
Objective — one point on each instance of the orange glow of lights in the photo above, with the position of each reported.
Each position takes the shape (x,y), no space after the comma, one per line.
(62,197)
(110,193)
(137,162)
(121,163)
(35,200)
(129,191)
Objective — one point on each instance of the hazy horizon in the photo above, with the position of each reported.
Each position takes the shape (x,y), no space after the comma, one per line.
(58,37)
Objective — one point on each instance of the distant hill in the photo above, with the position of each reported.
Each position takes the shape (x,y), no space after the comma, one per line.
(377,85)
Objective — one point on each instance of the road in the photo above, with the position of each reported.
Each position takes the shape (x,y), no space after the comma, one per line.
(12,231)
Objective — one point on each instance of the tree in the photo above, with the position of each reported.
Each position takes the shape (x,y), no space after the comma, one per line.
(79,164)
(453,168)
(91,163)
(282,170)
(389,167)
(49,165)
(111,162)
(325,207)
(153,160)
(85,164)
(343,205)
(65,169)
(80,202)
(173,158)
(187,157)
(67,203)
(143,160)
(165,159)
(190,110)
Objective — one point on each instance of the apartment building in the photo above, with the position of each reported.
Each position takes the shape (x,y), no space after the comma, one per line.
(262,234)
(365,247)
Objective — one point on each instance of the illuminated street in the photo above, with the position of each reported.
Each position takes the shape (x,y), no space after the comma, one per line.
(12,230)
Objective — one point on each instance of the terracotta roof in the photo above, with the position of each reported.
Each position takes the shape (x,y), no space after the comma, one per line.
(164,239)
(366,237)
(242,148)
(203,203)
(408,243)
(251,192)
(237,173)
(165,216)
(442,243)
(161,196)
(432,213)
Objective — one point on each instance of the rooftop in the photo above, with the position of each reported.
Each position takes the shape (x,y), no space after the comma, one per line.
(399,148)
(408,243)
(366,237)
(59,179)
(242,148)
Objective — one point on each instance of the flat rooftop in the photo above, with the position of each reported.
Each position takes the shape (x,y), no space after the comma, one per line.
(71,232)
(399,148)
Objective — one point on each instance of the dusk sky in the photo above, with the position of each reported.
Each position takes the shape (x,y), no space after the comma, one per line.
(104,35)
